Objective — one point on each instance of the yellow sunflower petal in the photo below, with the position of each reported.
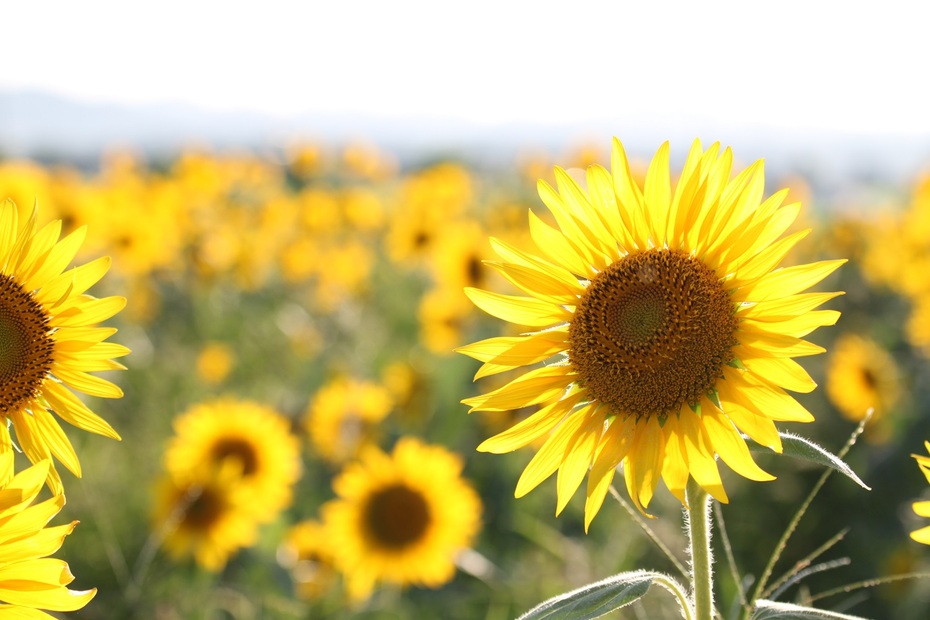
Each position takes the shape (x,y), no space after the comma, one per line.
(506,352)
(767,259)
(539,284)
(726,441)
(658,194)
(579,452)
(58,258)
(519,310)
(922,535)
(536,425)
(629,197)
(675,471)
(758,396)
(604,206)
(559,248)
(56,440)
(798,326)
(786,281)
(761,344)
(550,455)
(786,308)
(612,448)
(70,409)
(86,311)
(531,388)
(86,383)
(51,598)
(643,463)
(922,509)
(782,371)
(699,452)
(555,272)
(75,281)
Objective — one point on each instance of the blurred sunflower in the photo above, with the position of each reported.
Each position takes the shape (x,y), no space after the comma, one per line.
(251,438)
(343,417)
(29,580)
(668,326)
(862,375)
(49,340)
(401,518)
(209,517)
(214,362)
(922,509)
(444,313)
(307,553)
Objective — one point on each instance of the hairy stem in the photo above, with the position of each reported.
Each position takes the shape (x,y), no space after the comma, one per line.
(702,577)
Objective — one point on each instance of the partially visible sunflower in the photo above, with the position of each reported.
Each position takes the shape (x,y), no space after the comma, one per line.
(342,417)
(401,518)
(308,554)
(50,341)
(660,327)
(209,517)
(862,375)
(922,509)
(29,580)
(253,438)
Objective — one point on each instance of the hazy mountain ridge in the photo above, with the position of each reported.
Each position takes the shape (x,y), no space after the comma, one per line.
(51,127)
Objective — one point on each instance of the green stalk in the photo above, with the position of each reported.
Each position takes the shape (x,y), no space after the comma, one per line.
(702,576)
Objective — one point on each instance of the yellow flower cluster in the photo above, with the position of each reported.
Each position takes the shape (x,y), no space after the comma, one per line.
(230,467)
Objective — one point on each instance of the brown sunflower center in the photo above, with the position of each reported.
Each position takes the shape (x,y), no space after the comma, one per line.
(26,346)
(652,332)
(204,510)
(397,516)
(238,449)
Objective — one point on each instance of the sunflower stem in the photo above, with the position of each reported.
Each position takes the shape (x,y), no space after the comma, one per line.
(698,523)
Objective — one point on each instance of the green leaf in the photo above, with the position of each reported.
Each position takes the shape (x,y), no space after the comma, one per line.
(807,450)
(771,610)
(595,599)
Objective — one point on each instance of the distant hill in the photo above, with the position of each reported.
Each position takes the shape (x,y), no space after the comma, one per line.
(51,127)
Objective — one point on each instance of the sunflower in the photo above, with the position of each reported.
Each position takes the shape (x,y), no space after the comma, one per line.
(307,553)
(401,518)
(343,417)
(50,341)
(251,437)
(214,362)
(667,327)
(210,516)
(861,375)
(922,509)
(29,580)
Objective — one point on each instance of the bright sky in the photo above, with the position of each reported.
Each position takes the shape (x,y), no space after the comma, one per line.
(798,64)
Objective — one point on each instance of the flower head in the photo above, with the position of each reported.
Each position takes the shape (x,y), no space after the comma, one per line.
(342,417)
(400,518)
(210,516)
(249,437)
(862,375)
(660,328)
(50,341)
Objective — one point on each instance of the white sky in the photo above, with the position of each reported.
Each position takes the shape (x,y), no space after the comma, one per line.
(810,64)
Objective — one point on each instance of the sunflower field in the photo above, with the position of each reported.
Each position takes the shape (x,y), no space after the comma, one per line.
(287,384)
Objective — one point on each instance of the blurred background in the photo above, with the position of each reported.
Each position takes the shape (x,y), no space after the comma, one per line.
(294,195)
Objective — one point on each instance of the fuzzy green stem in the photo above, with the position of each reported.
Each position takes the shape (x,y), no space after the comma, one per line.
(672,586)
(702,577)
